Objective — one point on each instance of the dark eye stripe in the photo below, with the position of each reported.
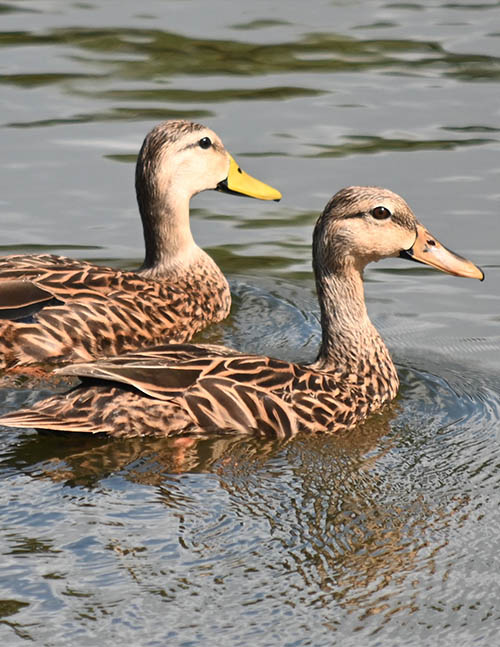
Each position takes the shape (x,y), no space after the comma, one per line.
(361,214)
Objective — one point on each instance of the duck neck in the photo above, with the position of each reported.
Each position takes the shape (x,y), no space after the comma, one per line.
(350,343)
(174,258)
(167,234)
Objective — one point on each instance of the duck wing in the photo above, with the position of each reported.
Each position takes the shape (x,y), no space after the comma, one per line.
(167,390)
(22,299)
(164,372)
(196,388)
(219,388)
(30,283)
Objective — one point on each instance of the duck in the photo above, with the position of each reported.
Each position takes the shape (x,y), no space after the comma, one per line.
(203,388)
(55,310)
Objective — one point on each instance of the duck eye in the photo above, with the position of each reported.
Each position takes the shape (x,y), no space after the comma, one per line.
(205,142)
(380,213)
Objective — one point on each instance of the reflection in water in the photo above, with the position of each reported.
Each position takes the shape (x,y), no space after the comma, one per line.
(122,57)
(163,54)
(83,460)
(323,507)
(364,144)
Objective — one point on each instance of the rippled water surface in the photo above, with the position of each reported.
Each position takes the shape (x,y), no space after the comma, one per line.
(387,535)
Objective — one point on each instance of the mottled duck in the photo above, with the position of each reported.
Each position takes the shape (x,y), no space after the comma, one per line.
(55,309)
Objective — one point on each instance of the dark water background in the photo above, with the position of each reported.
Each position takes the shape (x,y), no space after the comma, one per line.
(384,536)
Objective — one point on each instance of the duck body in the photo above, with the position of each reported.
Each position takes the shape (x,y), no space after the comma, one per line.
(66,310)
(55,310)
(195,388)
(186,388)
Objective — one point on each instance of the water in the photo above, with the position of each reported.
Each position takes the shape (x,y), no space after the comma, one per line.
(383,536)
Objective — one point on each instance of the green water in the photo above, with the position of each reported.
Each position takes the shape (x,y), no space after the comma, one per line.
(383,536)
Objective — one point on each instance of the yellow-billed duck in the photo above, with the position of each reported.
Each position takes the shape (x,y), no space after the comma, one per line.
(55,309)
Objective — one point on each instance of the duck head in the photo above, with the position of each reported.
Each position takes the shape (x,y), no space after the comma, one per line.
(185,158)
(179,159)
(364,224)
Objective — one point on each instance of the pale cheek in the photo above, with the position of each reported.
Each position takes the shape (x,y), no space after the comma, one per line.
(190,178)
(392,242)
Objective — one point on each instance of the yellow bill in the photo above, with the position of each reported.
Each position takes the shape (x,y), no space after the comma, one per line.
(427,249)
(240,183)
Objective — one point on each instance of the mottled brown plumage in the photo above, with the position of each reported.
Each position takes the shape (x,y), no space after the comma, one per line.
(56,309)
(187,388)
